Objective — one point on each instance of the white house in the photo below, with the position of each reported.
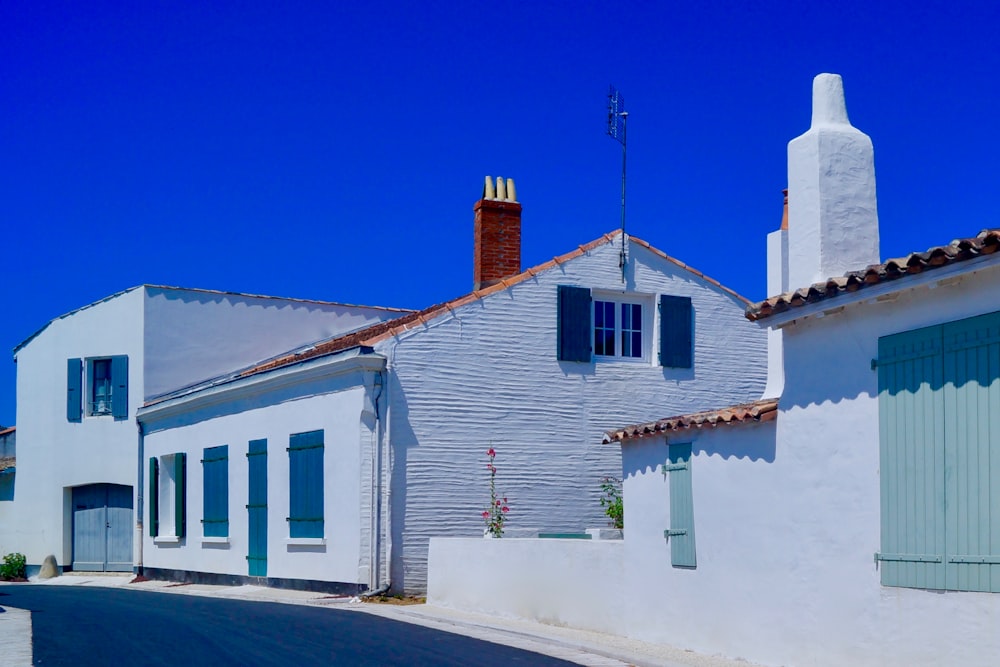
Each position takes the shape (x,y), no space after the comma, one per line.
(852,516)
(331,467)
(80,380)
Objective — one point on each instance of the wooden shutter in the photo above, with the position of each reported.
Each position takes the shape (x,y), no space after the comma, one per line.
(681,531)
(257,508)
(971,396)
(305,462)
(912,460)
(573,328)
(74,394)
(676,327)
(215,497)
(180,493)
(119,387)
(153,497)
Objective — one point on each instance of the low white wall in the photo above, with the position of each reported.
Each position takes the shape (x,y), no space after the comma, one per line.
(575,583)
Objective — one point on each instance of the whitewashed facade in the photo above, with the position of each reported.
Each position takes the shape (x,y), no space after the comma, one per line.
(860,524)
(406,414)
(160,338)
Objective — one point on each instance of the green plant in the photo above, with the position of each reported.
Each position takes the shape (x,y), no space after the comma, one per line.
(611,501)
(496,514)
(14,566)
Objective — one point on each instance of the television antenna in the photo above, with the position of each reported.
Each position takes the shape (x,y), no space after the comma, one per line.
(617,122)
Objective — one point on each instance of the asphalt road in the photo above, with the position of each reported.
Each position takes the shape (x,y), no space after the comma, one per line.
(83,626)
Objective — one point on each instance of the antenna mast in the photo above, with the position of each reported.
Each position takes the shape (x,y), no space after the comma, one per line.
(617,121)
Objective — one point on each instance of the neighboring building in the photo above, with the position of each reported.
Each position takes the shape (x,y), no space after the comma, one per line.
(8,463)
(850,516)
(80,380)
(332,467)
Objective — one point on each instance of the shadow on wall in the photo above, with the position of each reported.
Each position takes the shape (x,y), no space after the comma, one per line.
(754,442)
(402,439)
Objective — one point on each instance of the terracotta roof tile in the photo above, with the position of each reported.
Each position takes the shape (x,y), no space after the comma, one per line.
(960,250)
(7,429)
(378,332)
(764,410)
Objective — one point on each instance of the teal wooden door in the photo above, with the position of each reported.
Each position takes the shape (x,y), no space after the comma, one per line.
(257,509)
(102,528)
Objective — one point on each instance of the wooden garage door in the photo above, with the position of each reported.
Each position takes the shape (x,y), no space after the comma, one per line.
(102,528)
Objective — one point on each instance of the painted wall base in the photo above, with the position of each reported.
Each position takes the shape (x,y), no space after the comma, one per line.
(216,579)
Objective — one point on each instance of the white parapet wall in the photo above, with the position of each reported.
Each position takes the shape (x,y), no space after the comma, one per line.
(566,582)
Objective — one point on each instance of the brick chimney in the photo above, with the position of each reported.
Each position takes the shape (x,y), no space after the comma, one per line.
(497,252)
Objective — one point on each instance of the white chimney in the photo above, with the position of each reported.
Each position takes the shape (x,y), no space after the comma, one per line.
(832,215)
(777,283)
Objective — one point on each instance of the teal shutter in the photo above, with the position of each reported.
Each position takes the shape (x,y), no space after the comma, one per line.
(74,394)
(912,459)
(257,509)
(573,328)
(971,352)
(681,531)
(305,484)
(119,387)
(153,497)
(215,497)
(180,493)
(676,328)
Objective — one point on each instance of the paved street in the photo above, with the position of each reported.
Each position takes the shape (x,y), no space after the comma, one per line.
(84,626)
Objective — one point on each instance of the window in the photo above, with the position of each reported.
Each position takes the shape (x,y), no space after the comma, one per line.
(215,475)
(167,496)
(621,326)
(618,328)
(680,534)
(939,453)
(98,388)
(305,484)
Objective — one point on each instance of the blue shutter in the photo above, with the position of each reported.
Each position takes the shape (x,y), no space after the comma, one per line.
(573,328)
(153,497)
(119,387)
(74,395)
(912,459)
(681,531)
(971,393)
(215,470)
(180,493)
(305,462)
(676,328)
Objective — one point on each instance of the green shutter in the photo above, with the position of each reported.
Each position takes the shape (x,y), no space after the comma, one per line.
(257,508)
(681,531)
(215,496)
(119,387)
(676,328)
(153,497)
(573,330)
(180,493)
(971,352)
(912,459)
(305,484)
(74,395)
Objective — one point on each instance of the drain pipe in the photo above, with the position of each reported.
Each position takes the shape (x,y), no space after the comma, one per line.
(139,498)
(384,425)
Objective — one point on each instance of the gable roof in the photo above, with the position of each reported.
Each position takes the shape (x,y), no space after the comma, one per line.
(960,250)
(764,410)
(199,291)
(378,332)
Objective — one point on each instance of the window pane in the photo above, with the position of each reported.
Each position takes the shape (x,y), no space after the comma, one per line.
(604,328)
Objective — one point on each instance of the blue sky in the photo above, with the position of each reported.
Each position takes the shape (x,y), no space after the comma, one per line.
(334,150)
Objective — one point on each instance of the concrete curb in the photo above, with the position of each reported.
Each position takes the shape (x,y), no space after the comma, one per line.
(15,637)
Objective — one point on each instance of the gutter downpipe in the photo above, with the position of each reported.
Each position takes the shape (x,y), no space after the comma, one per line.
(139,487)
(384,524)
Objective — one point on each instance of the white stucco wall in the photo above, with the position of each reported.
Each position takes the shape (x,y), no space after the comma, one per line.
(487,375)
(54,454)
(551,580)
(785,542)
(333,403)
(195,335)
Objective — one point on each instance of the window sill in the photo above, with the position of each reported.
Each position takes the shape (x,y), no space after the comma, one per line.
(305,541)
(215,540)
(166,539)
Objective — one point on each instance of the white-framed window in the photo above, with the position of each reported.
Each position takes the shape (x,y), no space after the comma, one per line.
(167,497)
(622,326)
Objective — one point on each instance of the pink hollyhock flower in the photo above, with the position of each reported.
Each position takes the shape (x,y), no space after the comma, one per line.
(505,509)
(490,452)
(486,515)
(498,503)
